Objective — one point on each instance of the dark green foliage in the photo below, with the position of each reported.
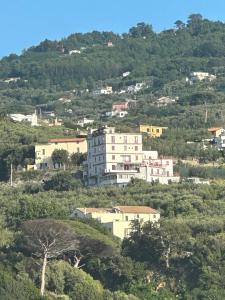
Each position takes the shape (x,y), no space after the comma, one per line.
(62,181)
(17,288)
(60,157)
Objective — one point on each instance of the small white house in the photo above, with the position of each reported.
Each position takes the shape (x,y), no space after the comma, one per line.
(200,76)
(125,74)
(103,91)
(25,118)
(74,52)
(83,122)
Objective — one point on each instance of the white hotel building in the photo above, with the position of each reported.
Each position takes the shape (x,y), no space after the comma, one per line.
(116,158)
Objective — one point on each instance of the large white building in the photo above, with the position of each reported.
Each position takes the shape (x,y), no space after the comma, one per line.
(116,158)
(119,219)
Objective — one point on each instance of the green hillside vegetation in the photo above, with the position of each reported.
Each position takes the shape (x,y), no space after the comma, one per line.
(183,258)
(192,224)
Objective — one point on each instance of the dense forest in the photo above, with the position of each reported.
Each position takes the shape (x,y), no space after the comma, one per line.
(180,258)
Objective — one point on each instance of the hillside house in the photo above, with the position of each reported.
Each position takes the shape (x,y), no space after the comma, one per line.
(215,131)
(119,219)
(103,91)
(75,51)
(43,152)
(126,74)
(164,101)
(200,76)
(110,44)
(119,106)
(153,131)
(83,122)
(33,119)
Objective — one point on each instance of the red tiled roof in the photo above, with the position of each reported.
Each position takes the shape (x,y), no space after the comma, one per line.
(120,103)
(66,140)
(214,129)
(94,209)
(136,209)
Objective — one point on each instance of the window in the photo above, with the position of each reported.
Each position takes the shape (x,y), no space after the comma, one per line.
(126,158)
(78,150)
(136,157)
(136,148)
(113,157)
(126,218)
(148,129)
(137,216)
(113,148)
(167,163)
(125,139)
(125,148)
(157,130)
(158,171)
(136,139)
(113,167)
(154,216)
(112,139)
(43,151)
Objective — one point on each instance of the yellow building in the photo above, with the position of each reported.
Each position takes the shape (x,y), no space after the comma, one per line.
(153,131)
(43,152)
(119,219)
(215,131)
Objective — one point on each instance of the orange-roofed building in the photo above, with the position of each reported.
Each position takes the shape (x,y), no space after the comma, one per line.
(43,152)
(119,106)
(216,131)
(118,219)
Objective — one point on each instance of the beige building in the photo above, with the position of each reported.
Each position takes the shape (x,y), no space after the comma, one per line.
(119,219)
(43,152)
(116,158)
(111,155)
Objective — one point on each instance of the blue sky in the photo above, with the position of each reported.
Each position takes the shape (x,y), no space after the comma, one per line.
(24,23)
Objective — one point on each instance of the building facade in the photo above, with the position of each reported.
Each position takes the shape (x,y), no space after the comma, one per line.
(116,158)
(153,131)
(119,219)
(43,152)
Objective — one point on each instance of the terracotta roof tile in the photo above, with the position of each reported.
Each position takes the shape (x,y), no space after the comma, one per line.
(122,209)
(136,209)
(66,140)
(214,129)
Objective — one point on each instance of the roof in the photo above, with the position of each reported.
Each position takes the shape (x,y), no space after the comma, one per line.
(136,209)
(214,129)
(93,209)
(66,140)
(122,209)
(120,103)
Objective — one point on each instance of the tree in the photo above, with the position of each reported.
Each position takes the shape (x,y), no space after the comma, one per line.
(153,242)
(62,181)
(141,30)
(179,24)
(60,157)
(78,158)
(47,239)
